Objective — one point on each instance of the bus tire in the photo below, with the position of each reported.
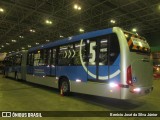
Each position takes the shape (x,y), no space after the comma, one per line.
(64,87)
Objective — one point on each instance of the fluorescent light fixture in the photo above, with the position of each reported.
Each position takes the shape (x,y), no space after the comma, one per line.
(1,10)
(134,30)
(112,21)
(48,22)
(81,30)
(7,44)
(14,41)
(29,46)
(23,48)
(47,40)
(37,43)
(61,36)
(32,30)
(2,46)
(77,7)
(21,36)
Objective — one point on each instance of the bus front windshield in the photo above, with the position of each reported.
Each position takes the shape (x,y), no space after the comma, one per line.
(137,43)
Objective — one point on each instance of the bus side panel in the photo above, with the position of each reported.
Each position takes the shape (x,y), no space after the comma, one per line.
(96,88)
(10,72)
(38,74)
(47,80)
(72,72)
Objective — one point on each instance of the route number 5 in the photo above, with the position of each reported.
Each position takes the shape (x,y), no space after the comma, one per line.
(92,52)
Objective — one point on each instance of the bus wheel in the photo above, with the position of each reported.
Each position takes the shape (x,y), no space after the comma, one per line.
(64,88)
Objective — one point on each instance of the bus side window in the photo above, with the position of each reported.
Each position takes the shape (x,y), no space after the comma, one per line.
(114,48)
(18,59)
(36,58)
(9,61)
(85,51)
(76,54)
(48,54)
(40,58)
(53,57)
(65,55)
(30,60)
(103,51)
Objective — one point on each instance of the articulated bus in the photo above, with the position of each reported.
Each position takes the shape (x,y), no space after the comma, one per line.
(112,63)
(15,65)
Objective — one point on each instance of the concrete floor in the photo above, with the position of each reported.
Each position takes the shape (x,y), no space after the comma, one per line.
(22,96)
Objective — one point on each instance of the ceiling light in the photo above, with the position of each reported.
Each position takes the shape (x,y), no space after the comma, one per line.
(32,30)
(1,10)
(81,30)
(61,36)
(112,21)
(47,40)
(14,41)
(23,48)
(77,7)
(37,43)
(29,46)
(7,44)
(134,30)
(2,46)
(21,36)
(48,22)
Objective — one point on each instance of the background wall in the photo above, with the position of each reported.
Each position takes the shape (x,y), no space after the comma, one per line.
(154,41)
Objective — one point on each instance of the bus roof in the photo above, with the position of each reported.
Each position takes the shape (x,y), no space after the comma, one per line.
(72,39)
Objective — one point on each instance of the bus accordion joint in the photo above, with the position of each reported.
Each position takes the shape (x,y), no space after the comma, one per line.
(129,76)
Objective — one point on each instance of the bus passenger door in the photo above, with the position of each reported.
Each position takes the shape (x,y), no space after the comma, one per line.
(97,59)
(103,59)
